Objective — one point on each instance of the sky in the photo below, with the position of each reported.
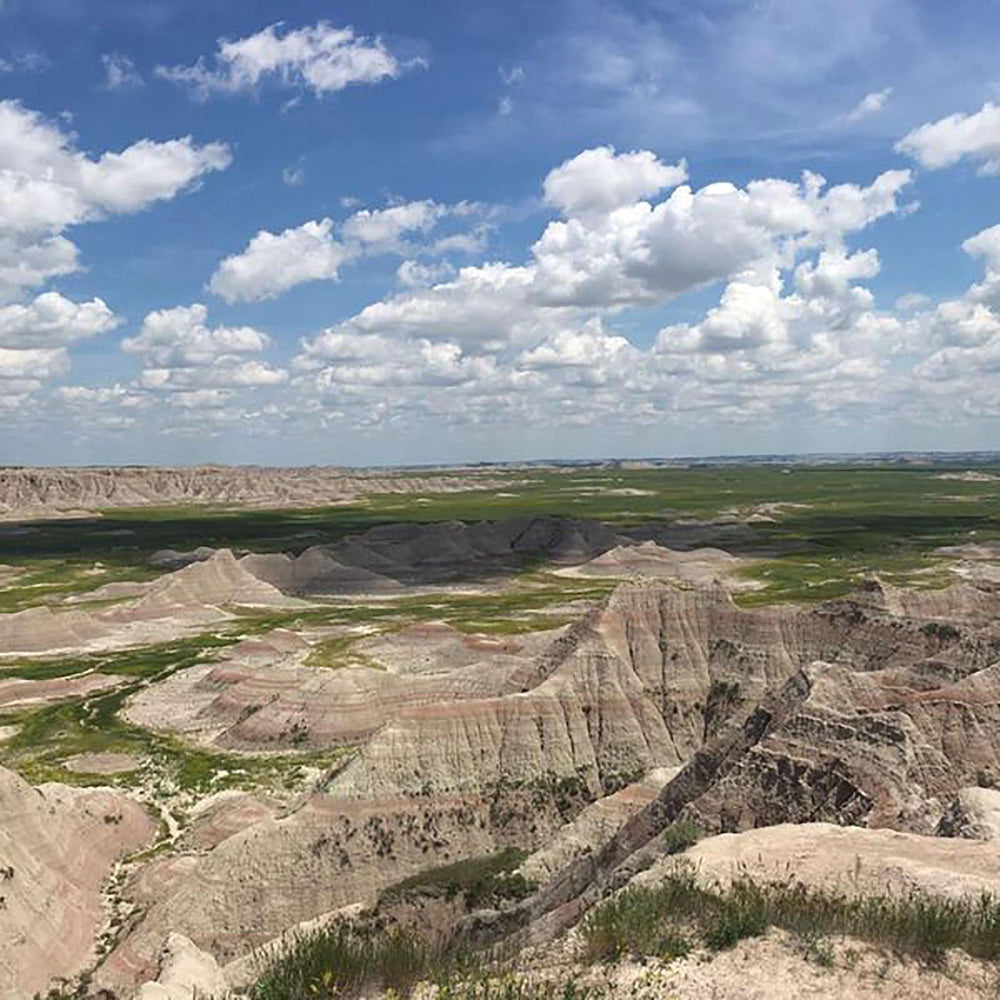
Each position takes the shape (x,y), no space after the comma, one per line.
(397,233)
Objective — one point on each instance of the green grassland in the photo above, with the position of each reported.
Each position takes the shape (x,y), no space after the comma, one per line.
(847,508)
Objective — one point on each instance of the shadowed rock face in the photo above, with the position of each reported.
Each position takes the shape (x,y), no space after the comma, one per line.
(386,557)
(872,710)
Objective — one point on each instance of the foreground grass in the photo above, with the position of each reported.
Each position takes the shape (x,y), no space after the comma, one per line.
(663,922)
(346,959)
(670,919)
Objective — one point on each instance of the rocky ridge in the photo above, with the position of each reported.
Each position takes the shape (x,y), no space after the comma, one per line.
(854,712)
(52,492)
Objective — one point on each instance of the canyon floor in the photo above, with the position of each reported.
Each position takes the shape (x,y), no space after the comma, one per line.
(616,730)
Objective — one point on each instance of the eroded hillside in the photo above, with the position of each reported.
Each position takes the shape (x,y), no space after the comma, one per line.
(288,729)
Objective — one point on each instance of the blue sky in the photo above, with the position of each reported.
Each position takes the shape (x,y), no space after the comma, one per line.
(390,232)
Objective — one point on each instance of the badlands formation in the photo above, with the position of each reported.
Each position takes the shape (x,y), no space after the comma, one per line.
(30,493)
(853,742)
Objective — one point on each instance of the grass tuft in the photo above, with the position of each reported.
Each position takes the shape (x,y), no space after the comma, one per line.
(648,920)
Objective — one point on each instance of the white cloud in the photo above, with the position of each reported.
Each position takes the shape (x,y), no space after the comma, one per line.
(644,253)
(321,58)
(599,180)
(912,301)
(945,142)
(27,261)
(468,243)
(479,306)
(384,227)
(179,337)
(414,274)
(271,264)
(31,367)
(62,186)
(120,72)
(870,104)
(589,347)
(53,321)
(193,366)
(46,186)
(637,253)
(985,244)
(794,335)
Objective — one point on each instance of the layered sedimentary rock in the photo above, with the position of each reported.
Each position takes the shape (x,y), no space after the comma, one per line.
(195,595)
(26,492)
(858,711)
(42,629)
(57,845)
(263,694)
(218,581)
(700,566)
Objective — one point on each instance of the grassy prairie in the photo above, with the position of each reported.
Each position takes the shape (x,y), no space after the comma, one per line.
(848,520)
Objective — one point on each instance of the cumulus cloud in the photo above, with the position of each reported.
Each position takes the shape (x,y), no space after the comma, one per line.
(53,321)
(795,329)
(316,250)
(350,360)
(321,58)
(28,368)
(795,325)
(947,141)
(120,72)
(638,253)
(273,263)
(385,226)
(47,185)
(985,244)
(870,104)
(196,365)
(414,274)
(180,337)
(599,180)
(587,348)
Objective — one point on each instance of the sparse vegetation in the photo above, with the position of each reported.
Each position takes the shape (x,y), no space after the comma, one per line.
(346,960)
(342,961)
(486,881)
(667,919)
